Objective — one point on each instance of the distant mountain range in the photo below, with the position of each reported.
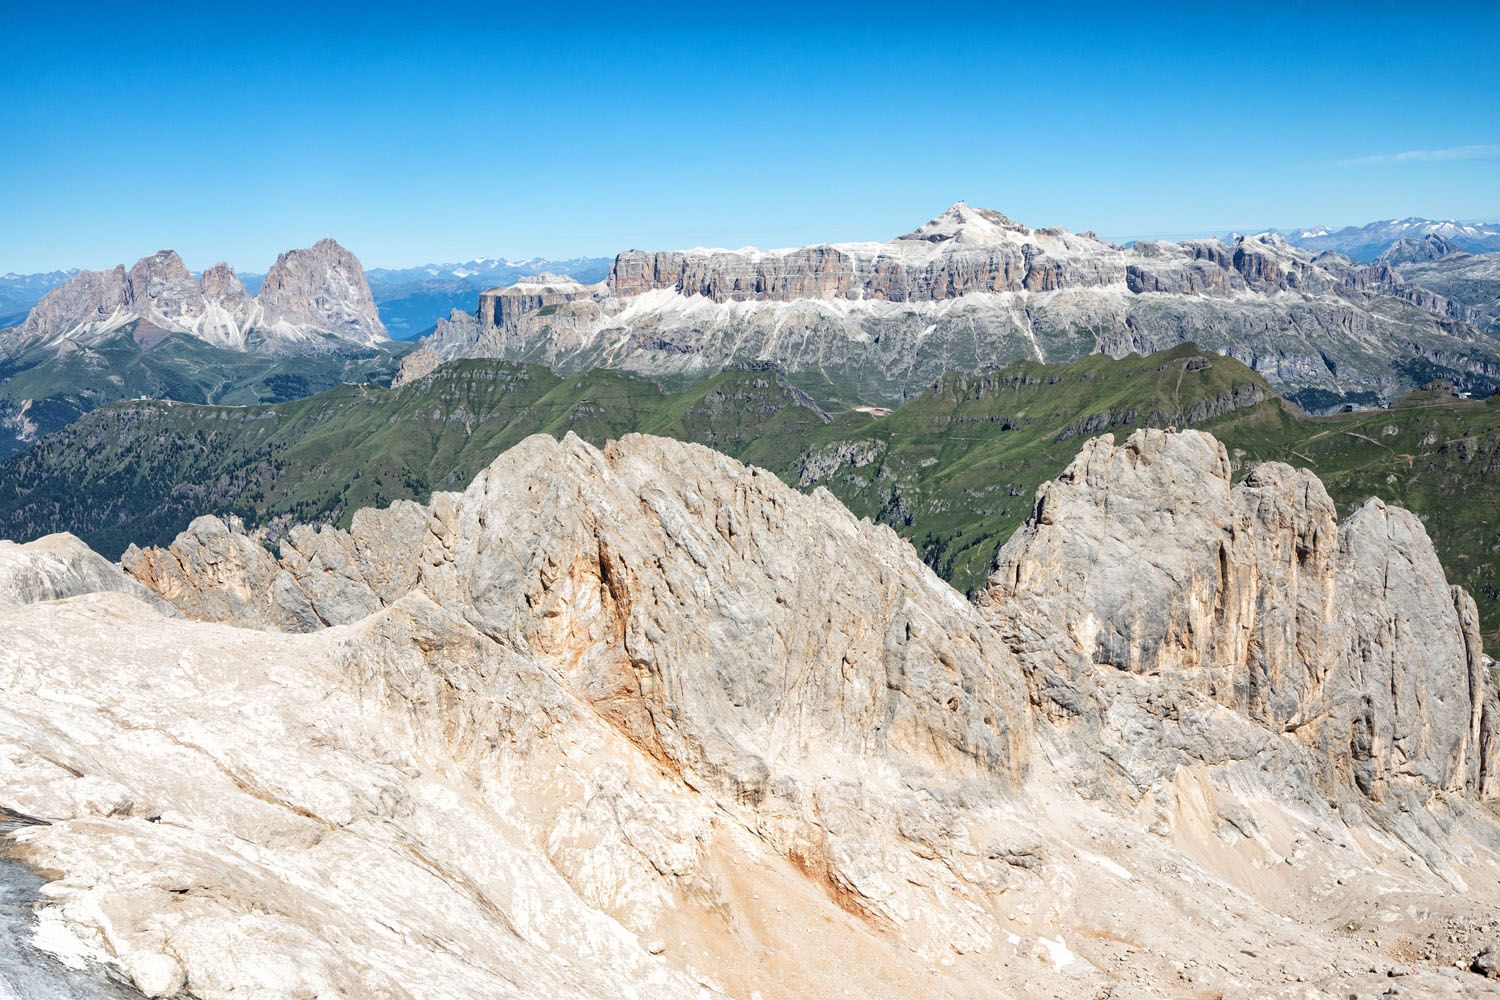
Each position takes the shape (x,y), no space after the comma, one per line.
(312,301)
(862,323)
(972,290)
(412,299)
(1368,241)
(19,292)
(157,331)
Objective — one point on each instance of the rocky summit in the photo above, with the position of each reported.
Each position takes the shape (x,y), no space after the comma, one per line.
(972,290)
(644,721)
(313,300)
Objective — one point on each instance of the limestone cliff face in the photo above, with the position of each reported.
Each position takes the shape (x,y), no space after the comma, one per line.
(320,289)
(506,306)
(972,290)
(653,575)
(1144,560)
(642,721)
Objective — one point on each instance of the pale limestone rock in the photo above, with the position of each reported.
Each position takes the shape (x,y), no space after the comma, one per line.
(60,566)
(1146,586)
(642,721)
(651,574)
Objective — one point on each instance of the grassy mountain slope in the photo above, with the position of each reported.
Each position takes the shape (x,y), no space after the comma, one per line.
(140,471)
(954,470)
(45,390)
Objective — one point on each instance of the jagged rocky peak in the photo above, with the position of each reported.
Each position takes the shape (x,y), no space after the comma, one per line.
(87,298)
(221,284)
(961,224)
(1146,576)
(313,300)
(161,281)
(321,288)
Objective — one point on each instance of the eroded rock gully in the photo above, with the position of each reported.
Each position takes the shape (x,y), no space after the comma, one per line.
(642,721)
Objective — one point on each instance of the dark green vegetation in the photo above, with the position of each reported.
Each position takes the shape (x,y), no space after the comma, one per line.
(954,470)
(47,389)
(140,471)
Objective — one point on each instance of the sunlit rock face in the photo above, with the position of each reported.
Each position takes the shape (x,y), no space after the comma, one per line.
(972,290)
(313,300)
(642,721)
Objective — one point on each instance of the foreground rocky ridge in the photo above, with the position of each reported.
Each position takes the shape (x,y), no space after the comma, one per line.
(644,721)
(312,300)
(970,291)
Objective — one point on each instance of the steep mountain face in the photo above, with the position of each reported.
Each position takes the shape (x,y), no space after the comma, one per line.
(645,721)
(970,291)
(1368,241)
(1146,566)
(1470,279)
(312,301)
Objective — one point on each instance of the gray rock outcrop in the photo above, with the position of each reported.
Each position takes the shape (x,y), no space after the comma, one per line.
(312,301)
(1415,250)
(972,290)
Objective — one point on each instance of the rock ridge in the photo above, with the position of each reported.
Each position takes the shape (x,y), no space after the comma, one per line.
(313,300)
(972,290)
(641,720)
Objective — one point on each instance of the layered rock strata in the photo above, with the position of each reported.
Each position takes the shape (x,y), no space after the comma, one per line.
(971,291)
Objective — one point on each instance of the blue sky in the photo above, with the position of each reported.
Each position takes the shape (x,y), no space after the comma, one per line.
(445,131)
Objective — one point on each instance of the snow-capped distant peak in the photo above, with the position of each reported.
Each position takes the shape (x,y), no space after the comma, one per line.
(963,223)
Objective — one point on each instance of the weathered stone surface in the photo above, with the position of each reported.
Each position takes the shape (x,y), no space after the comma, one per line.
(60,566)
(1144,562)
(642,721)
(312,300)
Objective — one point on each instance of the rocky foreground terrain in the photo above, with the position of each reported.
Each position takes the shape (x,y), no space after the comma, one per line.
(970,291)
(643,721)
(312,300)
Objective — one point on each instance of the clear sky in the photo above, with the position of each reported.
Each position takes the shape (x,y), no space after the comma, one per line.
(440,131)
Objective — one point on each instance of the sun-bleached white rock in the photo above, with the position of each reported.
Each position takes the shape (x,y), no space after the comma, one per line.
(642,721)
